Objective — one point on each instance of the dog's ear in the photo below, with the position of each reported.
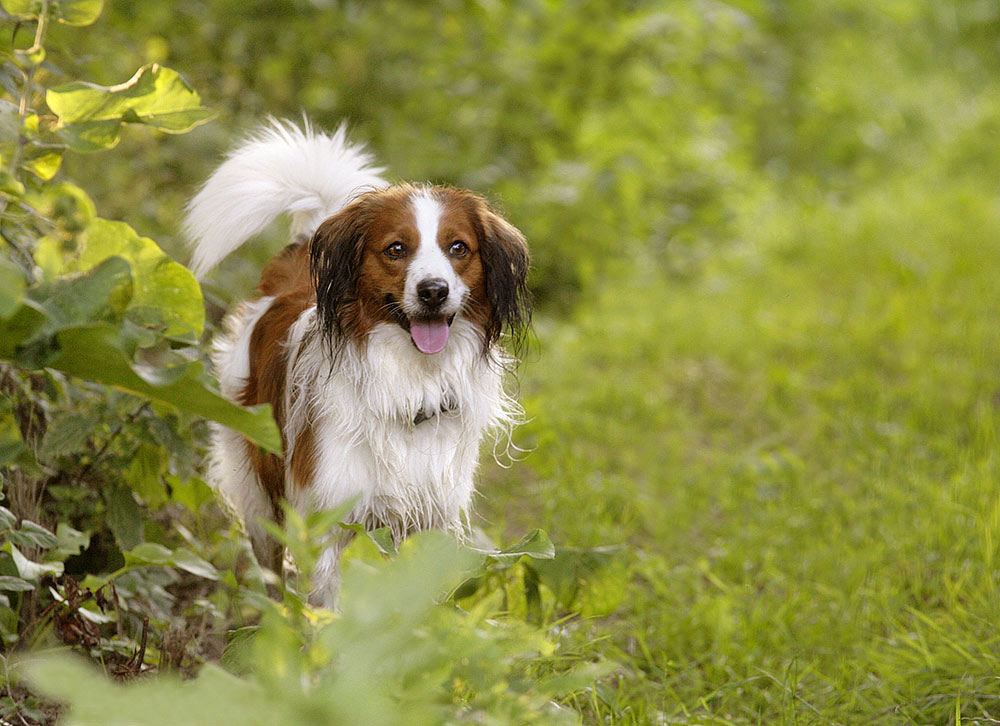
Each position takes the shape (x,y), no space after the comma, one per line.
(335,256)
(505,259)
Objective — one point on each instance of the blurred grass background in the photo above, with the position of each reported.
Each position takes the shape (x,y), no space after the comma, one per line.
(766,262)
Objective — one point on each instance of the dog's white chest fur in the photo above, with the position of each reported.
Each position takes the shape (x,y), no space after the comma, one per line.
(394,430)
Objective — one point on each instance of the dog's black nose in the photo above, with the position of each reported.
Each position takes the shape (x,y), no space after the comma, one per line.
(432,292)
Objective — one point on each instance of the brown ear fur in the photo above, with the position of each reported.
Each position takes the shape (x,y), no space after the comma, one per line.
(335,256)
(505,259)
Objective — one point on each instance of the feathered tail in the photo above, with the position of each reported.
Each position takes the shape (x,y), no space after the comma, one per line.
(279,169)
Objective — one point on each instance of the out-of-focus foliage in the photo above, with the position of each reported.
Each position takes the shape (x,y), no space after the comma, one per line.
(765,416)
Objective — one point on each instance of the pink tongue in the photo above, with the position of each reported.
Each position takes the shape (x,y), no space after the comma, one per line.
(429,336)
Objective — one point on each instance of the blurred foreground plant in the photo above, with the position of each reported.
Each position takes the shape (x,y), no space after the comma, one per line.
(394,654)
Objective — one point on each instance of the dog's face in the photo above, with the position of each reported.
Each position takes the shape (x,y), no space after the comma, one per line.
(419,257)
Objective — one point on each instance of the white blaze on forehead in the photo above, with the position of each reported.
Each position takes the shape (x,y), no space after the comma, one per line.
(429,262)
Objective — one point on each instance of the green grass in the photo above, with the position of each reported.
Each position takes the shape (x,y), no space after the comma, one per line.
(799,449)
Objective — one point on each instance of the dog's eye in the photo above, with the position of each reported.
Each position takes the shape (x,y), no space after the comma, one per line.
(458,249)
(395,251)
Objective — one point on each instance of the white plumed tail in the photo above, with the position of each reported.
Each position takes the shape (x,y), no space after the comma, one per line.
(280,169)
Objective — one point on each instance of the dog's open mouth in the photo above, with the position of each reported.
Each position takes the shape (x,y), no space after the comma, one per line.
(430,335)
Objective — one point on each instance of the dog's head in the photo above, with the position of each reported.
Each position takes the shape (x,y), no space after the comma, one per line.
(420,257)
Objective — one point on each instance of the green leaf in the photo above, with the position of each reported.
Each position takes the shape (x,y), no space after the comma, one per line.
(191,493)
(10,449)
(91,116)
(190,562)
(42,161)
(536,544)
(214,697)
(97,353)
(590,581)
(71,542)
(68,433)
(14,584)
(144,472)
(8,625)
(30,534)
(78,12)
(22,8)
(124,517)
(20,327)
(381,537)
(237,658)
(29,570)
(11,287)
(7,519)
(101,293)
(150,553)
(166,294)
(70,12)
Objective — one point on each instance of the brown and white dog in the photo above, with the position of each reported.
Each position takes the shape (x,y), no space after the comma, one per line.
(377,338)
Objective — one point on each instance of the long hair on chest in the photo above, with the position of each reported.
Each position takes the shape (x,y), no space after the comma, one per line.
(381,338)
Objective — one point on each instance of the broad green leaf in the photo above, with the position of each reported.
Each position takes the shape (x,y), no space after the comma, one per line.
(98,353)
(22,8)
(536,544)
(30,534)
(381,537)
(590,581)
(29,570)
(67,434)
(8,625)
(144,472)
(124,517)
(71,542)
(10,449)
(11,287)
(7,519)
(91,116)
(100,294)
(166,294)
(214,697)
(192,493)
(9,184)
(190,562)
(150,553)
(15,584)
(20,327)
(78,12)
(42,161)
(237,658)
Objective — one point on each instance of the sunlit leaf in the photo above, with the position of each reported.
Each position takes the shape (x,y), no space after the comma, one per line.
(78,12)
(166,296)
(41,161)
(91,116)
(70,12)
(23,8)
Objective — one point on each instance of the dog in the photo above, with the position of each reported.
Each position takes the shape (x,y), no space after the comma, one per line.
(382,337)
